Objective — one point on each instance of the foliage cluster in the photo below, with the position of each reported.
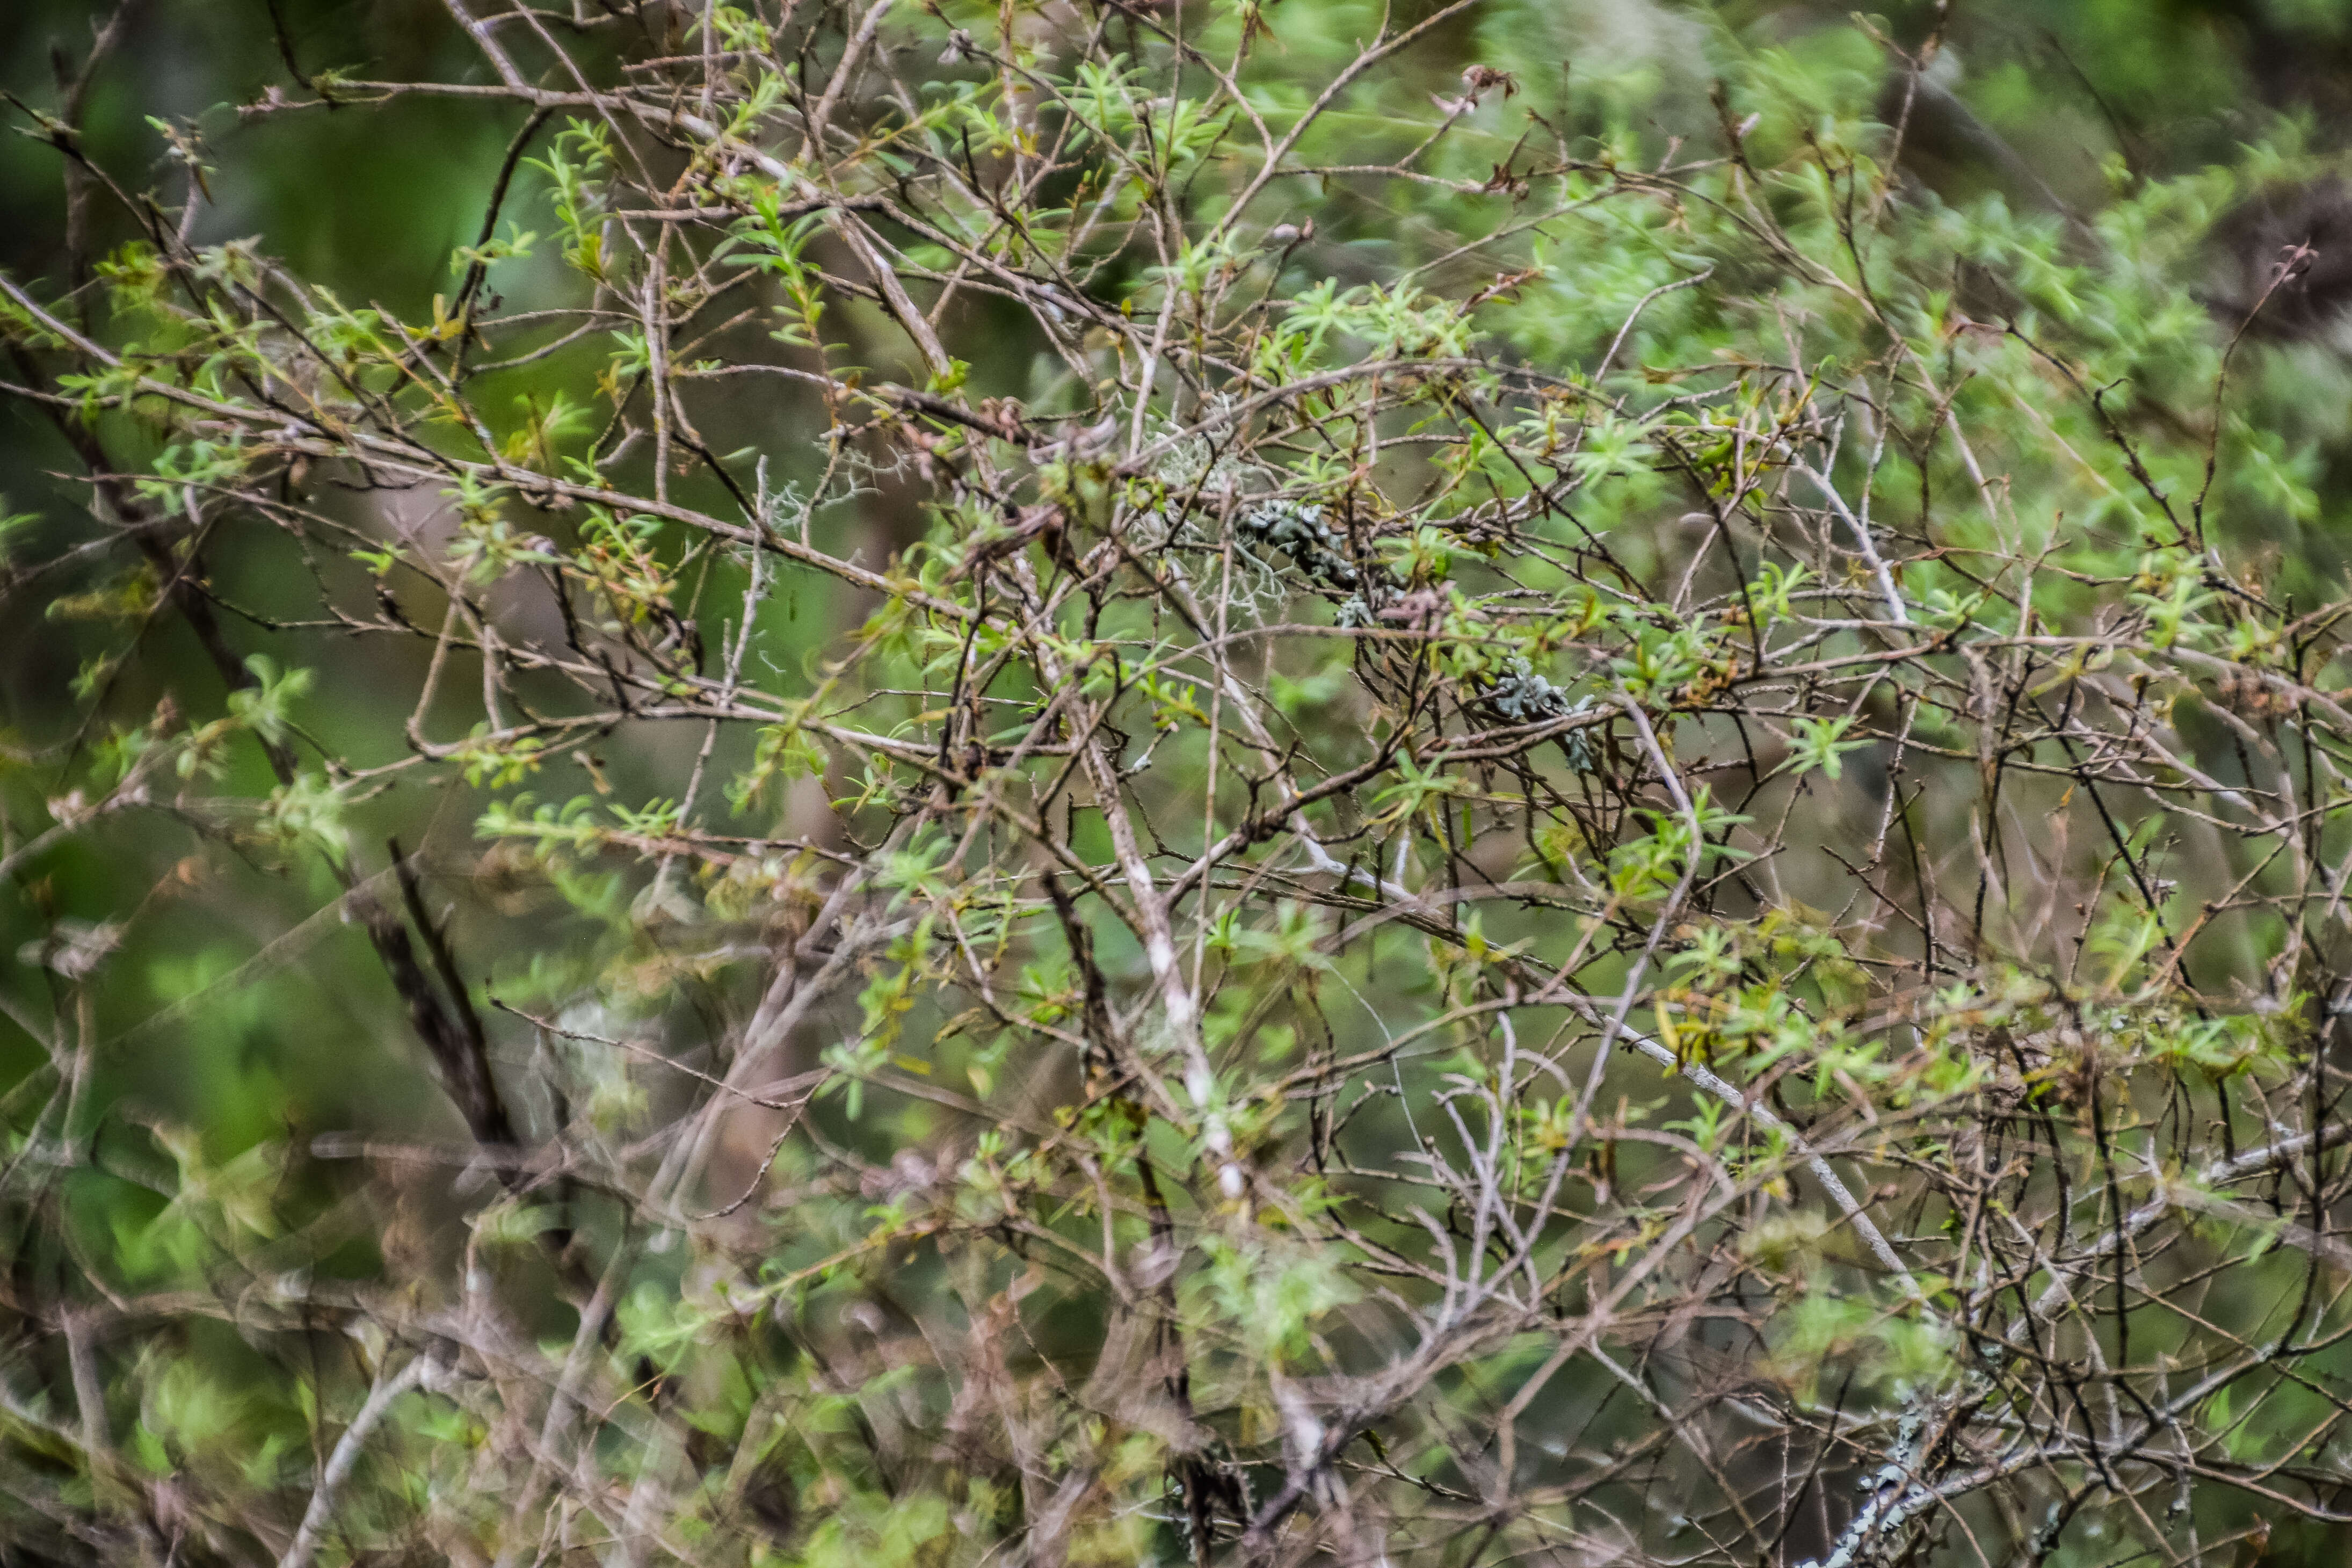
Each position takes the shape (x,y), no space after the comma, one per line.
(1110,782)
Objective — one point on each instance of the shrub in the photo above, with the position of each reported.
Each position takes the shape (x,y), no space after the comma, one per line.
(1138,800)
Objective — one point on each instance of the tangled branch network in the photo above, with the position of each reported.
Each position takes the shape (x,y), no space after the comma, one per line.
(1138,804)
